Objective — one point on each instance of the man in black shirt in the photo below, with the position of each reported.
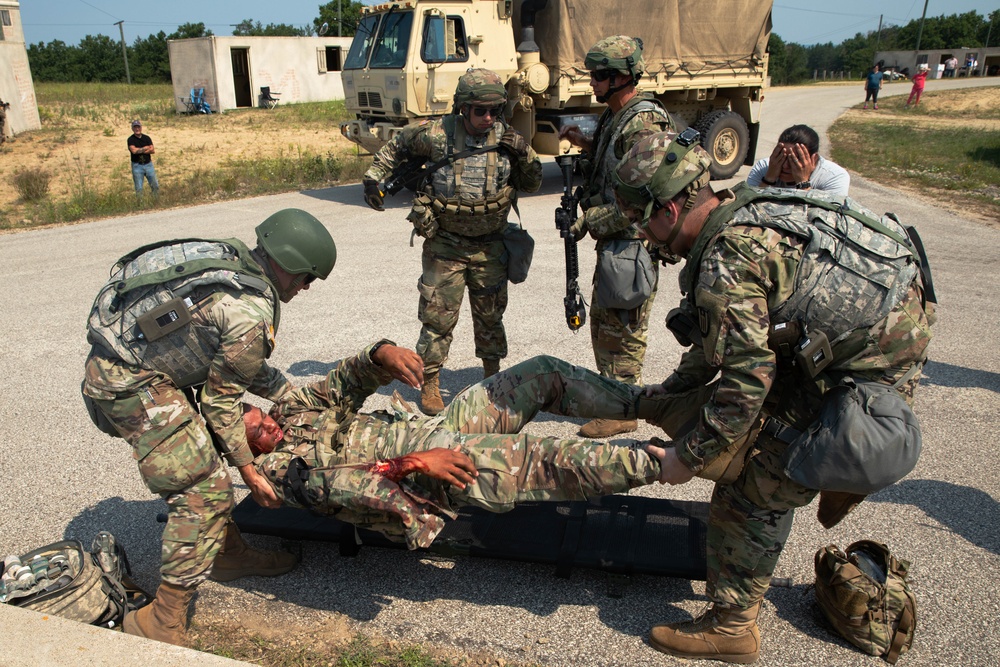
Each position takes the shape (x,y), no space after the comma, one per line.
(141,147)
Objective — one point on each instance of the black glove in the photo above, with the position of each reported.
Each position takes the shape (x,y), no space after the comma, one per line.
(515,143)
(374,195)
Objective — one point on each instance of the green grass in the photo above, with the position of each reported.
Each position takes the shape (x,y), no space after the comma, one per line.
(956,161)
(69,110)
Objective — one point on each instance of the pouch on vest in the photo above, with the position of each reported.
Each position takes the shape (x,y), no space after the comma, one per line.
(625,274)
(520,249)
(865,596)
(92,587)
(865,438)
(97,416)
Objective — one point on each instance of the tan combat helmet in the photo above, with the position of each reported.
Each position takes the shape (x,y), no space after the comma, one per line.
(619,53)
(657,169)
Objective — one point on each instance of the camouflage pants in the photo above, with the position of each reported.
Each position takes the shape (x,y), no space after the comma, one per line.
(748,525)
(450,264)
(619,337)
(178,461)
(485,421)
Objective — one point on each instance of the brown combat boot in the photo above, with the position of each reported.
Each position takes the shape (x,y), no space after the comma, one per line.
(490,367)
(835,505)
(721,633)
(605,428)
(238,559)
(165,618)
(430,396)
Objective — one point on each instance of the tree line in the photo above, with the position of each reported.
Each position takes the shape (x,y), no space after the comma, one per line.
(99,58)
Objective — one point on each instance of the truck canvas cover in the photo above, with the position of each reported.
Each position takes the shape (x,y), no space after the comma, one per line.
(679,36)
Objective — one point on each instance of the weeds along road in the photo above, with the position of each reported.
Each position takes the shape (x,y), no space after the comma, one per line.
(63,477)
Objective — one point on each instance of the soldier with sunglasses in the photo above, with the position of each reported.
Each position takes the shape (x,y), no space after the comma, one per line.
(618,335)
(461,210)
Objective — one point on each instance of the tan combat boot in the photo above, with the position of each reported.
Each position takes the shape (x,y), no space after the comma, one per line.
(165,618)
(490,367)
(430,396)
(730,635)
(238,559)
(605,428)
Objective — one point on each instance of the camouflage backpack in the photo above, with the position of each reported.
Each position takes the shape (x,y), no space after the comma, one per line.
(92,587)
(865,596)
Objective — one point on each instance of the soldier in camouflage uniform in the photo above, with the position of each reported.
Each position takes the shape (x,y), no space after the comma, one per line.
(462,212)
(757,264)
(618,336)
(402,474)
(141,383)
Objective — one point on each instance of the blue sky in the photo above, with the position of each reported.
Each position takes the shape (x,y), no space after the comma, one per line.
(802,21)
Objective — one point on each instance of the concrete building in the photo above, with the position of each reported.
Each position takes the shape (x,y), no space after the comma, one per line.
(972,61)
(232,70)
(16,85)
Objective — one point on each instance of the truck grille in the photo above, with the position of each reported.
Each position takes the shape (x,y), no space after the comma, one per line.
(373,100)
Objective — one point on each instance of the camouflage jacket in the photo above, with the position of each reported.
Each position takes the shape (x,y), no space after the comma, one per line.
(245,325)
(746,273)
(323,428)
(616,134)
(429,139)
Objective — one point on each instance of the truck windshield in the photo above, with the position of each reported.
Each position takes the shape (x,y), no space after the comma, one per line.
(361,47)
(393,41)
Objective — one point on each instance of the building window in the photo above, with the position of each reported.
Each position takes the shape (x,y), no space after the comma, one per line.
(444,40)
(328,59)
(5,16)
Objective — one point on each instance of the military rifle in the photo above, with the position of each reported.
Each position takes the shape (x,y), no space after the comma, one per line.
(576,314)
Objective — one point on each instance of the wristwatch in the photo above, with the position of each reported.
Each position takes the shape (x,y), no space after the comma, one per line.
(375,347)
(804,185)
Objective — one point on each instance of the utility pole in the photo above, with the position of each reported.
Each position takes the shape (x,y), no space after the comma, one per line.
(340,20)
(921,31)
(878,37)
(986,44)
(121,30)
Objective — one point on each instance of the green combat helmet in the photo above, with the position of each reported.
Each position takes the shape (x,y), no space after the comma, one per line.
(298,243)
(479,88)
(619,53)
(657,169)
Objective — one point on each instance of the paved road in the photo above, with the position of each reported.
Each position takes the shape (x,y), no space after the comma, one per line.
(62,477)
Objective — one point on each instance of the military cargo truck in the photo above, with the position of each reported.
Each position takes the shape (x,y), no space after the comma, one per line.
(706,61)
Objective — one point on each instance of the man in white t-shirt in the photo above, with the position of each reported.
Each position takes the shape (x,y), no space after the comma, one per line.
(796,163)
(950,65)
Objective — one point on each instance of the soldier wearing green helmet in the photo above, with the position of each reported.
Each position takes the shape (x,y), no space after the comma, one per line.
(461,210)
(775,313)
(179,334)
(618,334)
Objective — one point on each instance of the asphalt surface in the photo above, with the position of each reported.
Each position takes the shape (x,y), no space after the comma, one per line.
(61,477)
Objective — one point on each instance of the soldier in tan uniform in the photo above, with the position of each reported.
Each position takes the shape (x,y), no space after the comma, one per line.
(761,265)
(184,325)
(461,211)
(618,334)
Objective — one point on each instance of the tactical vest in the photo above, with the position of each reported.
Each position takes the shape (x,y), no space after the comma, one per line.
(147,313)
(600,185)
(470,217)
(855,268)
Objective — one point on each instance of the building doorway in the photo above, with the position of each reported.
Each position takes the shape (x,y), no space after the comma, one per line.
(241,77)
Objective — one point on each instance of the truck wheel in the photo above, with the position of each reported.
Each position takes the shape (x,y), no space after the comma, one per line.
(725,136)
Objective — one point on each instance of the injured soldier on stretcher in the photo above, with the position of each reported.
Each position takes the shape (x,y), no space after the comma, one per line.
(401,473)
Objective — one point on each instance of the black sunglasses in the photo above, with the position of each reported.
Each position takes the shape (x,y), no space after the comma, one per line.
(602,74)
(479,112)
(309,279)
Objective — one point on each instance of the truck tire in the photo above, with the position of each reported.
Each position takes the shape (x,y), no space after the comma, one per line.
(725,136)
